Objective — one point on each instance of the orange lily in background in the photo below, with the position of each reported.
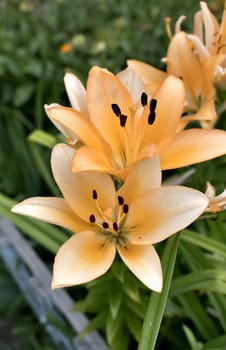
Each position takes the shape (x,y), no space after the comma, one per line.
(128,221)
(209,40)
(124,124)
(182,62)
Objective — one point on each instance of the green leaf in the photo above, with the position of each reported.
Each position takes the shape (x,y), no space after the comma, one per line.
(121,340)
(195,345)
(131,287)
(158,301)
(209,280)
(42,138)
(196,311)
(96,323)
(210,244)
(133,323)
(217,343)
(113,326)
(115,293)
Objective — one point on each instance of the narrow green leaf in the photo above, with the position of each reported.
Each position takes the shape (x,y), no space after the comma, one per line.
(194,344)
(42,138)
(196,311)
(113,327)
(115,293)
(218,301)
(210,280)
(98,322)
(133,323)
(158,301)
(204,242)
(217,343)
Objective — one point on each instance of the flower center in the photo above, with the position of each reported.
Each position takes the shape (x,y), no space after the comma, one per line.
(134,126)
(110,223)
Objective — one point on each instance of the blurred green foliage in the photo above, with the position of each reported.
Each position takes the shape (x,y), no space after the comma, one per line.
(40,41)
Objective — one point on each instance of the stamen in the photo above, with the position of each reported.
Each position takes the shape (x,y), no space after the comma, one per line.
(123,119)
(92,219)
(105,225)
(94,194)
(116,109)
(115,226)
(151,118)
(120,200)
(144,99)
(125,208)
(153,104)
(152,114)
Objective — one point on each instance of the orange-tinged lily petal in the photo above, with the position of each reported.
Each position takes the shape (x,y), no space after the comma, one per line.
(82,258)
(139,182)
(52,210)
(151,76)
(210,24)
(168,111)
(144,262)
(90,159)
(180,60)
(76,93)
(76,123)
(164,211)
(103,90)
(77,188)
(192,146)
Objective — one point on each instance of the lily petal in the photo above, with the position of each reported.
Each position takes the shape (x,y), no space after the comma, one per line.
(76,93)
(82,258)
(144,262)
(132,82)
(52,210)
(139,182)
(192,146)
(77,188)
(103,90)
(75,124)
(90,159)
(170,104)
(151,76)
(210,24)
(162,212)
(182,62)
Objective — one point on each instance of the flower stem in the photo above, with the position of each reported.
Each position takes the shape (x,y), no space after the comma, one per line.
(157,302)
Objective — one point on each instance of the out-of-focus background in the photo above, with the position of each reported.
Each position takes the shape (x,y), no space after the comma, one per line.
(40,40)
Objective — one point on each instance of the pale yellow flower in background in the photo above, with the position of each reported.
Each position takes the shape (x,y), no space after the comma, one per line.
(183,63)
(128,221)
(216,203)
(117,124)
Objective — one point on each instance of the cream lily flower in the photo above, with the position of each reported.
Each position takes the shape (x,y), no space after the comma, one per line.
(209,39)
(124,125)
(128,221)
(216,203)
(183,63)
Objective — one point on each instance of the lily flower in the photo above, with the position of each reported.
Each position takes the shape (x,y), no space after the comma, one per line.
(182,62)
(209,40)
(128,221)
(216,203)
(117,123)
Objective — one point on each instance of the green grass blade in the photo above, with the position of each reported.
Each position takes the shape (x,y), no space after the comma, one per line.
(158,301)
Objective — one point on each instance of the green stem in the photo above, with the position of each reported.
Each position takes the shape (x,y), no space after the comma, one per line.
(157,302)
